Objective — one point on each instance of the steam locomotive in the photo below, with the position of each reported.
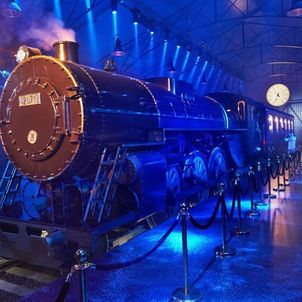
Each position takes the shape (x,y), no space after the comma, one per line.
(96,157)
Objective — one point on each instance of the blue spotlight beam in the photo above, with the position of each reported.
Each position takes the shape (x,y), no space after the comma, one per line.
(163,58)
(136,45)
(184,64)
(91,31)
(176,54)
(205,64)
(58,9)
(114,22)
(150,62)
(190,79)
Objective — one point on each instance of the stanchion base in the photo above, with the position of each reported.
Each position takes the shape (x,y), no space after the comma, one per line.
(224,251)
(269,196)
(193,295)
(252,213)
(280,189)
(240,232)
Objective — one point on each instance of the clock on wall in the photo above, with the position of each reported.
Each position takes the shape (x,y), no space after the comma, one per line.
(277,95)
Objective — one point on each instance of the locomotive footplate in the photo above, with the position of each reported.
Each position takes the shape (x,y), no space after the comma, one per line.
(53,246)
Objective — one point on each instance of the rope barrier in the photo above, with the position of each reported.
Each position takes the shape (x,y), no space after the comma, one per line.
(205,226)
(142,257)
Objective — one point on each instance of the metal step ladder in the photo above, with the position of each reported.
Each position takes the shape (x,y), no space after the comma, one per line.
(9,185)
(105,183)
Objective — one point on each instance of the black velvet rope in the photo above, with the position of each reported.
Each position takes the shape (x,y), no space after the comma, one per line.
(231,214)
(63,292)
(283,169)
(255,182)
(265,182)
(274,175)
(287,166)
(245,190)
(210,221)
(140,258)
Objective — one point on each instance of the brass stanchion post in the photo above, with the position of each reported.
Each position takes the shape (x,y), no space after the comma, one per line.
(260,202)
(185,294)
(279,188)
(253,212)
(238,230)
(269,195)
(223,250)
(81,266)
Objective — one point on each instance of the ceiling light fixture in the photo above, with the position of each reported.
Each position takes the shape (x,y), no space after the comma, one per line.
(10,9)
(118,49)
(172,70)
(277,75)
(282,63)
(288,46)
(296,9)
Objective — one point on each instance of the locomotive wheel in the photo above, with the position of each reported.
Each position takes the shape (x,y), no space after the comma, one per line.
(174,186)
(173,178)
(196,172)
(217,167)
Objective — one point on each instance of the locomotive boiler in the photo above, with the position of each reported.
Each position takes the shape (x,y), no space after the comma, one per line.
(96,157)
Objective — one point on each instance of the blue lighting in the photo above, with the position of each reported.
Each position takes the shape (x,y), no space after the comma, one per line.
(163,57)
(151,51)
(194,69)
(136,44)
(58,9)
(205,64)
(91,31)
(176,54)
(196,242)
(184,64)
(217,80)
(114,22)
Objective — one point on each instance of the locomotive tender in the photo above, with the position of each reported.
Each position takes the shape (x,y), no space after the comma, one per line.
(96,156)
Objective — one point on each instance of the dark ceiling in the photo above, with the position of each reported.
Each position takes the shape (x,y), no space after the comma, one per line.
(252,41)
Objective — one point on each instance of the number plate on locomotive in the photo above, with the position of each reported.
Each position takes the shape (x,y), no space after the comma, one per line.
(30,99)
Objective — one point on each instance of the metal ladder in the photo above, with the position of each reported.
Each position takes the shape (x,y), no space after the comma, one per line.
(9,185)
(105,185)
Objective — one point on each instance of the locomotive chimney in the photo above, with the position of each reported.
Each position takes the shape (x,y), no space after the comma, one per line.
(67,51)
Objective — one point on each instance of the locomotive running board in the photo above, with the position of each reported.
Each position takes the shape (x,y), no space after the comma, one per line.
(54,246)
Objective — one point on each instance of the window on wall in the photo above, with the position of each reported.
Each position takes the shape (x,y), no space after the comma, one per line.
(281,124)
(241,110)
(292,125)
(285,124)
(277,123)
(288,125)
(270,123)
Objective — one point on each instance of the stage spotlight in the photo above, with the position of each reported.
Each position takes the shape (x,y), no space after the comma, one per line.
(296,9)
(203,80)
(172,70)
(135,16)
(114,6)
(10,9)
(118,49)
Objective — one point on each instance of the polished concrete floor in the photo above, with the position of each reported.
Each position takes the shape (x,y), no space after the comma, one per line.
(267,266)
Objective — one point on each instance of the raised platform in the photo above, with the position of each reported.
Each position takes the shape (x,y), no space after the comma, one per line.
(267,266)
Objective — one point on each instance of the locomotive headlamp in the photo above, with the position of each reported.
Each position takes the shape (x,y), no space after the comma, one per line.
(24,52)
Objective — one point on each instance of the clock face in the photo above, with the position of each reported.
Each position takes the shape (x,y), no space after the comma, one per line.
(277,95)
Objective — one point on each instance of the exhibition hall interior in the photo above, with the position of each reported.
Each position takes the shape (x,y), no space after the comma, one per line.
(150,150)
